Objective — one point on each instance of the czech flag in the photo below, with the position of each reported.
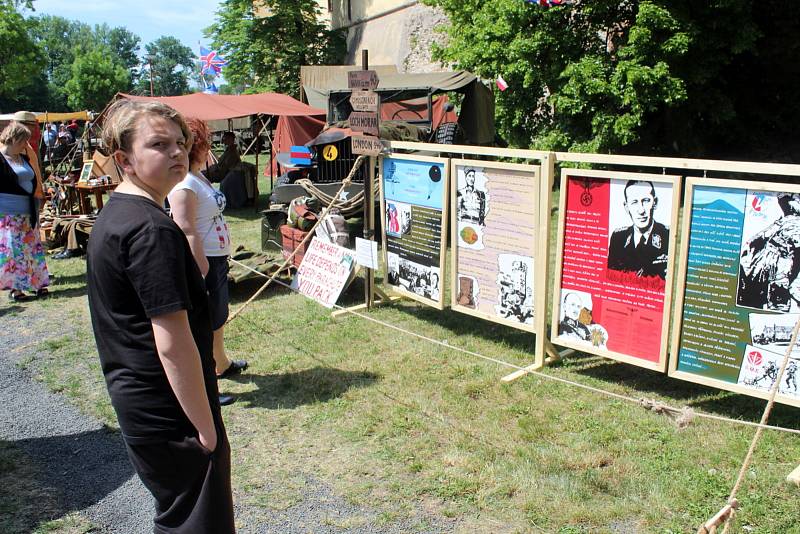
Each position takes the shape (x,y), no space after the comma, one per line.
(501,83)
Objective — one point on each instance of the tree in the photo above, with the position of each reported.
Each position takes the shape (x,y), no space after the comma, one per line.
(59,38)
(123,43)
(664,76)
(22,59)
(265,53)
(172,64)
(96,78)
(56,37)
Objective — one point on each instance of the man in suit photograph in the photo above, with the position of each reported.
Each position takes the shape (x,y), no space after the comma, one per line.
(642,247)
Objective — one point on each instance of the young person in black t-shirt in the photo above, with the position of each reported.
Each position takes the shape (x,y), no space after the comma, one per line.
(153,328)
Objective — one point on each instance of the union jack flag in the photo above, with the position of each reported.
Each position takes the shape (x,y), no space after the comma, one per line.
(551,3)
(211,61)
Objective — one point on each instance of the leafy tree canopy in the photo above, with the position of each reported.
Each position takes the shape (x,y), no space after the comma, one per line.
(265,52)
(96,78)
(22,60)
(172,65)
(662,76)
(62,41)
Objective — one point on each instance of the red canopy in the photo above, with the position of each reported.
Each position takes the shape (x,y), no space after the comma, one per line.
(215,107)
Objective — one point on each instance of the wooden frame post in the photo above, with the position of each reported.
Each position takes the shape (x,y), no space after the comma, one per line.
(542,262)
(369,210)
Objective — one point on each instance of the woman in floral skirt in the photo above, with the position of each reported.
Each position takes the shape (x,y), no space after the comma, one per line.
(22,262)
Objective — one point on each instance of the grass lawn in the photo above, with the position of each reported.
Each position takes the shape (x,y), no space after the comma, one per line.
(416,431)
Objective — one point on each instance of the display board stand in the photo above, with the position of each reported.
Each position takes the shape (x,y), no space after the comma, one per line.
(542,344)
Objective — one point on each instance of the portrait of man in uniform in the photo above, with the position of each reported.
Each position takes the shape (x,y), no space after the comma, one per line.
(471,201)
(642,247)
(570,325)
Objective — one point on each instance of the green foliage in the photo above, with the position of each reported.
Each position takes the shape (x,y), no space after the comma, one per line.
(647,75)
(96,77)
(21,58)
(172,64)
(265,53)
(62,41)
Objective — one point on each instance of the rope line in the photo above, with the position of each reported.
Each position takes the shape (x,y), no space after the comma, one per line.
(757,436)
(684,414)
(309,235)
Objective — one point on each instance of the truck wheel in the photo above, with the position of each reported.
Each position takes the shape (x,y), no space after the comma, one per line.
(447,133)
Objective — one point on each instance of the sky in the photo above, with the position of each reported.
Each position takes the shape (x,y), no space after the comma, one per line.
(149,19)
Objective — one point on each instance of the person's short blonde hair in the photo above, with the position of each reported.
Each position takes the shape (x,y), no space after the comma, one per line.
(14,133)
(122,116)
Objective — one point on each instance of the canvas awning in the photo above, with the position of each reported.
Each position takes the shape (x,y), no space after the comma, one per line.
(49,116)
(215,107)
(438,82)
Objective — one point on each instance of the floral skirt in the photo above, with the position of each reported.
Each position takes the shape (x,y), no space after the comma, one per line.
(22,263)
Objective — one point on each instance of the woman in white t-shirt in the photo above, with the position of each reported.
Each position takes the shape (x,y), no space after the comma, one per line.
(197,208)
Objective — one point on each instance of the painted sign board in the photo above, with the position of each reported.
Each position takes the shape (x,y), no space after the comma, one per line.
(413,201)
(364,101)
(366,80)
(364,144)
(494,225)
(365,121)
(616,242)
(738,291)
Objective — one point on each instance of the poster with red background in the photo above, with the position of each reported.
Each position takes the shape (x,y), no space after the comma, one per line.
(605,304)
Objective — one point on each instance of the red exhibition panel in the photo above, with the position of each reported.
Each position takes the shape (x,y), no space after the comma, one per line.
(621,309)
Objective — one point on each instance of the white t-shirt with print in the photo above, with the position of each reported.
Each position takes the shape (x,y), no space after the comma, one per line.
(210,223)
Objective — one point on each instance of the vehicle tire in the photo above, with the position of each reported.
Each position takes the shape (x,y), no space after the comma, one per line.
(447,133)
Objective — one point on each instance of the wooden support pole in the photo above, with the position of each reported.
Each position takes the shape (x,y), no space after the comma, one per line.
(710,526)
(369,211)
(542,344)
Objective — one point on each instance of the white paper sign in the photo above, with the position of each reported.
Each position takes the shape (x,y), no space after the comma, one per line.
(323,272)
(367,253)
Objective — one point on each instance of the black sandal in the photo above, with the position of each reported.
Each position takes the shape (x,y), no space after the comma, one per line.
(17,296)
(42,293)
(236,367)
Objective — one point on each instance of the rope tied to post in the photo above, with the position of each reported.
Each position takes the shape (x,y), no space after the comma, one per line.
(728,511)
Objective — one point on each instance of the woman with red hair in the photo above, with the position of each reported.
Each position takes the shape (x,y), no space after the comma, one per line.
(197,209)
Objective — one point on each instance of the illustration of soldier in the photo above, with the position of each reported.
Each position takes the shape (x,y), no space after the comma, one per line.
(791,376)
(515,297)
(471,201)
(770,262)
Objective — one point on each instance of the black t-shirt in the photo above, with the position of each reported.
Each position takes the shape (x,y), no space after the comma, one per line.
(139,266)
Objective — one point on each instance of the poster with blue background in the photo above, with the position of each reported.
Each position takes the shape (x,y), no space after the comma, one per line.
(741,297)
(414,191)
(420,183)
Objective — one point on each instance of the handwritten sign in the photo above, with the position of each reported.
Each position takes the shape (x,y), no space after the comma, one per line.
(363,144)
(362,79)
(364,121)
(364,101)
(324,272)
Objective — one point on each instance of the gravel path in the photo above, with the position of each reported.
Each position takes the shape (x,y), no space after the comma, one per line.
(86,467)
